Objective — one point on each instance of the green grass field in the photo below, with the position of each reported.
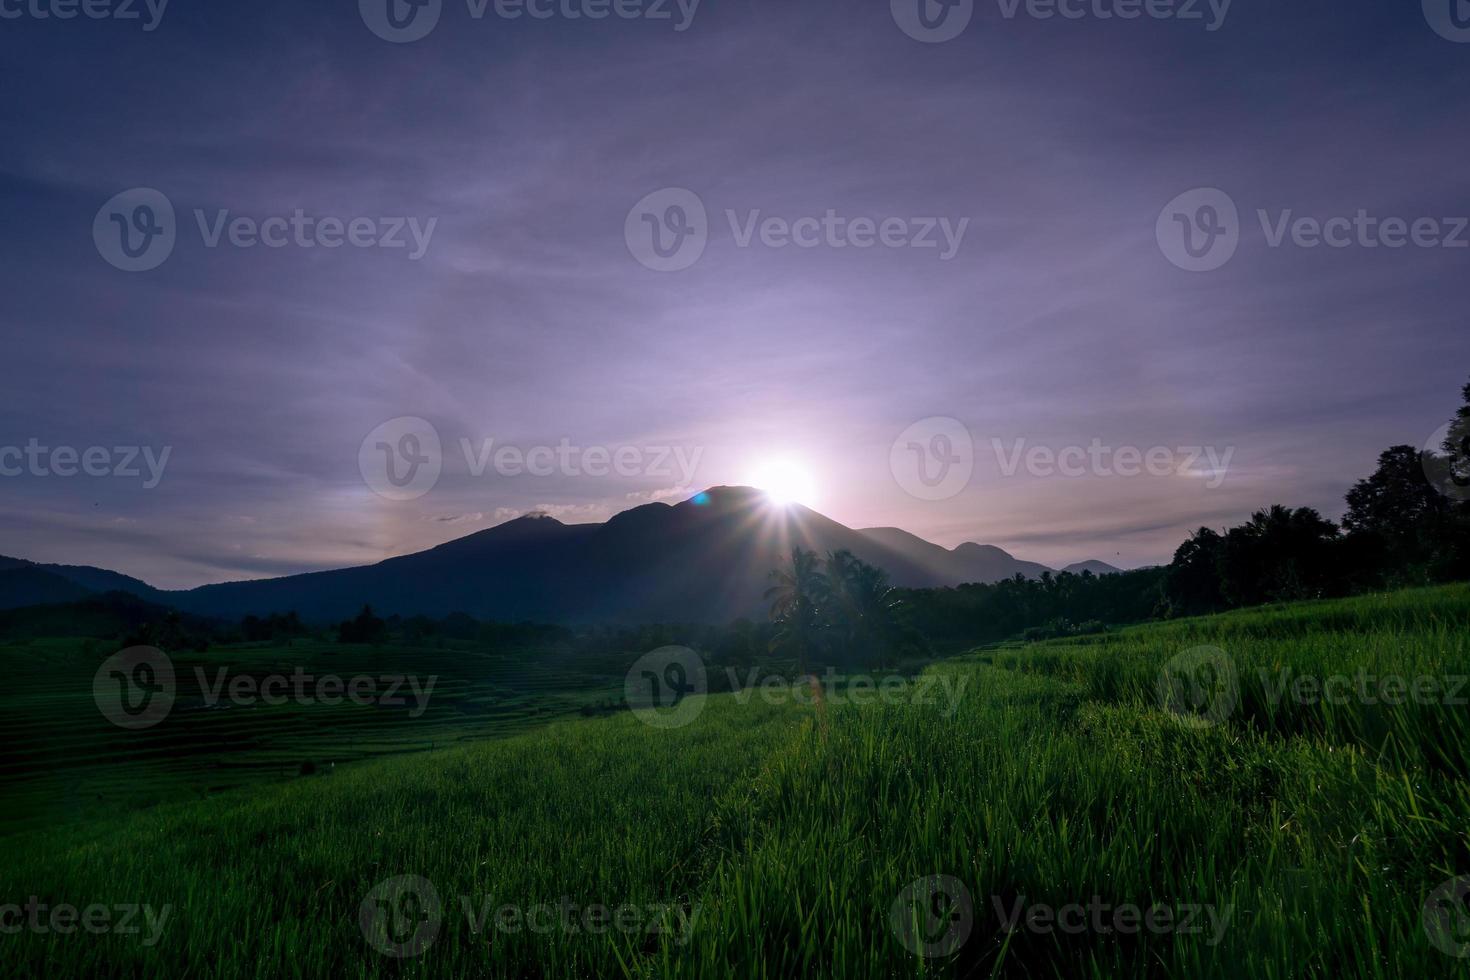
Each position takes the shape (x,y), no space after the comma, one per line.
(1283,836)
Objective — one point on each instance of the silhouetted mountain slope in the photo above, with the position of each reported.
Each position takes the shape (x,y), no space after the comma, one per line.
(88,578)
(968,562)
(30,585)
(1093,566)
(704,560)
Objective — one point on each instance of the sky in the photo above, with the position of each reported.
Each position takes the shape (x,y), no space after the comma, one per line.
(1035,281)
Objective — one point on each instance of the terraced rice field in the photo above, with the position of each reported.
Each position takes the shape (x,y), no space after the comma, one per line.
(65,761)
(1257,834)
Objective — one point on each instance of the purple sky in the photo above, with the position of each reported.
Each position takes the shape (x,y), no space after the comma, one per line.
(1058,321)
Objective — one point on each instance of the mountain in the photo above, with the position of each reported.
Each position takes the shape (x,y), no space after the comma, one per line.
(968,562)
(1093,566)
(84,578)
(31,585)
(706,559)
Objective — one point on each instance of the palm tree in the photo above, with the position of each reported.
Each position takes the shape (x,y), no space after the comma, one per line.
(798,596)
(863,603)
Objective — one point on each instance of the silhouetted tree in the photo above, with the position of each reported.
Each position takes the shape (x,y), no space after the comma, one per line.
(863,608)
(1456,446)
(366,628)
(1278,555)
(1397,520)
(1195,576)
(798,595)
(1397,500)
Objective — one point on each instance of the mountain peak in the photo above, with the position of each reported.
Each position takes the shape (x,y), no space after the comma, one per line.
(972,548)
(726,495)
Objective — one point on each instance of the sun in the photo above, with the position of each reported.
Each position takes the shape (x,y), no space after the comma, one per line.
(785,481)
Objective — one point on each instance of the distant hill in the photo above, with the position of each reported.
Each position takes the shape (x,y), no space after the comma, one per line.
(87,578)
(968,562)
(31,585)
(1095,567)
(706,559)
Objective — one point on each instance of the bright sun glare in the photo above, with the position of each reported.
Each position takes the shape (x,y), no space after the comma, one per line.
(785,482)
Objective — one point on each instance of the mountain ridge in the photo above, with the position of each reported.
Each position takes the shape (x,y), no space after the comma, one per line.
(704,559)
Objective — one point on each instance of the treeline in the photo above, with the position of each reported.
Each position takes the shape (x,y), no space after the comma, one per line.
(1044,608)
(1407,524)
